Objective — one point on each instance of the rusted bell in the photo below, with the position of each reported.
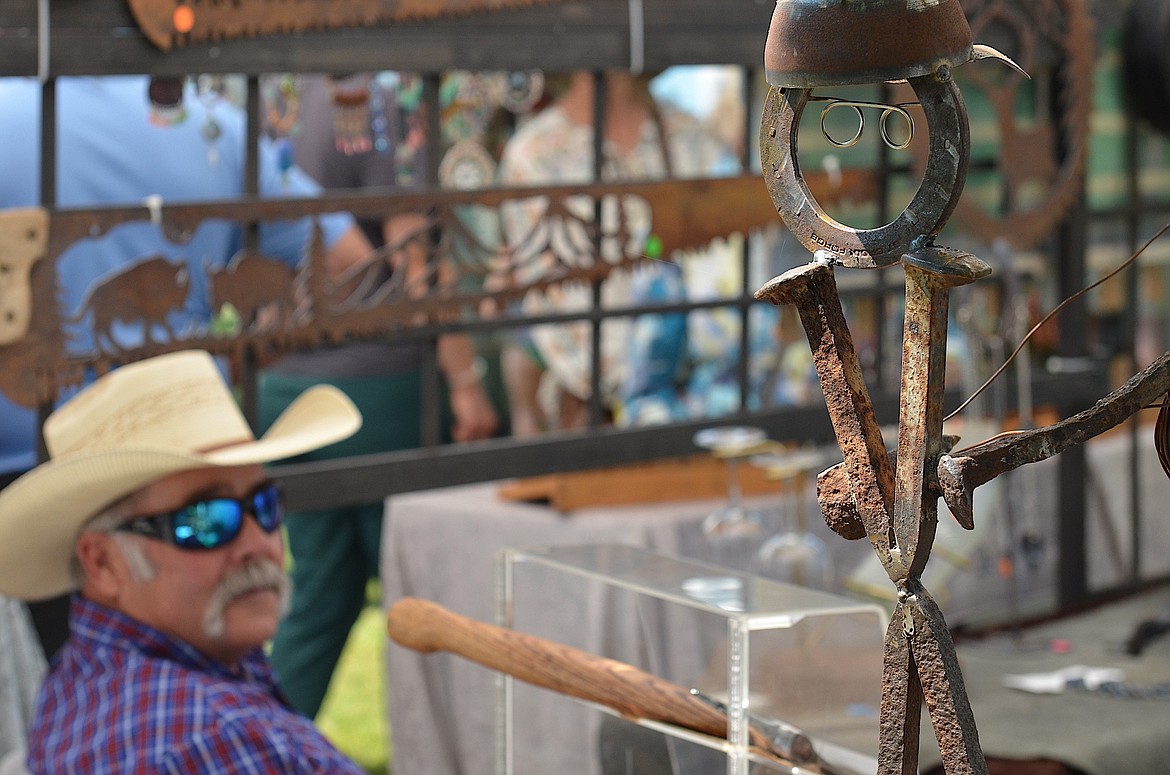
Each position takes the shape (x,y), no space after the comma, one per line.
(832,42)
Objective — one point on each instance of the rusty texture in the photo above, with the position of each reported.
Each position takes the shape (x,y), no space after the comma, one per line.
(961,472)
(937,666)
(899,719)
(174,23)
(279,309)
(930,274)
(1039,161)
(813,290)
(1162,435)
(897,509)
(814,43)
(835,497)
(917,224)
(920,664)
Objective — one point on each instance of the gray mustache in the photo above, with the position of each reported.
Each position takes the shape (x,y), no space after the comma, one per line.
(249,578)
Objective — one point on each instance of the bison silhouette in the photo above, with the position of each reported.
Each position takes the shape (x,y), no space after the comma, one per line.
(253,284)
(143,293)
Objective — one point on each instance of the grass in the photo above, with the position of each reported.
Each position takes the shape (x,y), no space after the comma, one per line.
(353,715)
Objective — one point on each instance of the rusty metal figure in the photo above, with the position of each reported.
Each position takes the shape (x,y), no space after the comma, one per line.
(897,509)
(866,495)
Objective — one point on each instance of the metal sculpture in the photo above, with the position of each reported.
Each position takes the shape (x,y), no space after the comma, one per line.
(897,509)
(169,24)
(267,309)
(1041,137)
(866,495)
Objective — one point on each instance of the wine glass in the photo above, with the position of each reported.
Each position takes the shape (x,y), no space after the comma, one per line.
(732,443)
(794,555)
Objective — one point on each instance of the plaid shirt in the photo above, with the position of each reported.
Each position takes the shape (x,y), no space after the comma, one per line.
(122,697)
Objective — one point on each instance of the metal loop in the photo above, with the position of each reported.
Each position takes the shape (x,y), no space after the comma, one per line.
(899,110)
(860,124)
(883,124)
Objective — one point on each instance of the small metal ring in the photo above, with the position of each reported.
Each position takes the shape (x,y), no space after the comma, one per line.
(860,125)
(896,110)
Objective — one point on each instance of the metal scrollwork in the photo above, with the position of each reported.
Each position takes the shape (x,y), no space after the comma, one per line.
(1039,161)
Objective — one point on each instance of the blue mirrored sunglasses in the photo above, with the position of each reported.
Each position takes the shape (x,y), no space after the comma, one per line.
(211,523)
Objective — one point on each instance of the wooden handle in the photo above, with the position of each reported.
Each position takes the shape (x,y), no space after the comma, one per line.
(425,626)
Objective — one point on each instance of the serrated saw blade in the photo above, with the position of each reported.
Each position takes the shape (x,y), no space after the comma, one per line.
(169,24)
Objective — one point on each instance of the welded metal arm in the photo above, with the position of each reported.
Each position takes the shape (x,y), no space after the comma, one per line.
(961,472)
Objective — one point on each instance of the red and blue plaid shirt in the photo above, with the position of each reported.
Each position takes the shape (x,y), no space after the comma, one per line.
(122,697)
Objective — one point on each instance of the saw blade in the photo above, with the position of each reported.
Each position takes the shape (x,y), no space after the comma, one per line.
(169,24)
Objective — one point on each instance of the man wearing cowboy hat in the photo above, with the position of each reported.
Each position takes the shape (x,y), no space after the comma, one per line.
(155,510)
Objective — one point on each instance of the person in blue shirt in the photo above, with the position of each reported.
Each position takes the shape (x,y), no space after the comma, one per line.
(116,147)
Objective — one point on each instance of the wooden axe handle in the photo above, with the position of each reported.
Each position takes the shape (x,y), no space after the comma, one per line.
(427,627)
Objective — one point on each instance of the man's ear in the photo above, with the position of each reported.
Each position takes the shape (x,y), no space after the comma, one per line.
(103,565)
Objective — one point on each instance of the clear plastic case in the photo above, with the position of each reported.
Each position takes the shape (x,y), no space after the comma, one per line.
(769,651)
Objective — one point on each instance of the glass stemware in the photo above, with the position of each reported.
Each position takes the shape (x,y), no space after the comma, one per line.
(794,554)
(732,443)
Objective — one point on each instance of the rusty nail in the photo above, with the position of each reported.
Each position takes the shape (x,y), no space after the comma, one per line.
(961,472)
(930,274)
(813,290)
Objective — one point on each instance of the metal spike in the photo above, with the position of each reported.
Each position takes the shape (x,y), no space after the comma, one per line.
(981,51)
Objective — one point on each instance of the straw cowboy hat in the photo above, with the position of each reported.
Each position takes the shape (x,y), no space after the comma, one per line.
(135,425)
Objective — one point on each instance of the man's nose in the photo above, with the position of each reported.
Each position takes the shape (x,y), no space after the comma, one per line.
(254,540)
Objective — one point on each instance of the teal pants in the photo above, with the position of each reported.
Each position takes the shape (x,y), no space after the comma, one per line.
(334,551)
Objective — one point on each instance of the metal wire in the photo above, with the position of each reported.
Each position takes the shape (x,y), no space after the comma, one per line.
(883,123)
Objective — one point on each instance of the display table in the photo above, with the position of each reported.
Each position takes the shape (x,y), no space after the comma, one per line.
(442,545)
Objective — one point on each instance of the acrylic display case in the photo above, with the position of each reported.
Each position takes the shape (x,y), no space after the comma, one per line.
(765,649)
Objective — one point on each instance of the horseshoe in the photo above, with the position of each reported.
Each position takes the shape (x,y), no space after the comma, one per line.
(923,218)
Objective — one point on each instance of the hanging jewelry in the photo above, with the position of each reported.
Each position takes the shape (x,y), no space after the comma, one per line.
(409,156)
(465,165)
(351,115)
(379,118)
(210,90)
(282,101)
(522,90)
(467,103)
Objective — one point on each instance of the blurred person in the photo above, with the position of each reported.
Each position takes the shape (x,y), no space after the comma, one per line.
(167,534)
(347,132)
(647,363)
